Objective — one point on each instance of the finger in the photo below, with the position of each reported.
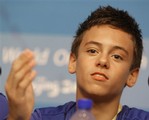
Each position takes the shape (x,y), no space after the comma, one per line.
(19,76)
(19,63)
(25,57)
(16,78)
(25,83)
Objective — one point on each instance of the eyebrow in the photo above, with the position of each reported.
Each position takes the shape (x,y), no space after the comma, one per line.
(121,48)
(93,42)
(115,47)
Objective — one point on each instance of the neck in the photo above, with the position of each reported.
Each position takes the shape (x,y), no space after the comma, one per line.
(105,111)
(104,108)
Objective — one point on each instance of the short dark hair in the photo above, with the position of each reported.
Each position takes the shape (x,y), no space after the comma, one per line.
(119,19)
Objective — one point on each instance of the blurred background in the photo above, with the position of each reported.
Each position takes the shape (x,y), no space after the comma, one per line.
(47,27)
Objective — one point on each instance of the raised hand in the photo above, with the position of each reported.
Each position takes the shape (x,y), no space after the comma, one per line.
(19,88)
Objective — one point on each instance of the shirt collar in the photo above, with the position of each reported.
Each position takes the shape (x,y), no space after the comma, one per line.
(119,110)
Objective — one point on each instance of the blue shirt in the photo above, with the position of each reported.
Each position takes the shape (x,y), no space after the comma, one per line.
(3,107)
(64,112)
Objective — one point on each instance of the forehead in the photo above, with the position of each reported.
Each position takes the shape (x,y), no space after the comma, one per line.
(107,35)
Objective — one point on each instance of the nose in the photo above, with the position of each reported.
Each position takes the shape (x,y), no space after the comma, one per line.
(103,61)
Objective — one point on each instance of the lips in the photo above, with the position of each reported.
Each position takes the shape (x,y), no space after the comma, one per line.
(99,76)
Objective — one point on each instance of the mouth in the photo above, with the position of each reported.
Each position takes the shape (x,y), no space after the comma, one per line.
(99,76)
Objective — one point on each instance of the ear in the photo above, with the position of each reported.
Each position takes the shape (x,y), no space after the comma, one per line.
(132,78)
(72,64)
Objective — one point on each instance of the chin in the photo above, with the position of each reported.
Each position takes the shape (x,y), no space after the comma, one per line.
(96,94)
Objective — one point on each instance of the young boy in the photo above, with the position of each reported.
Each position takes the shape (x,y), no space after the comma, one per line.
(105,56)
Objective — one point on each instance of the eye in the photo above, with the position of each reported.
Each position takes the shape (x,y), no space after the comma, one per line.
(92,51)
(117,57)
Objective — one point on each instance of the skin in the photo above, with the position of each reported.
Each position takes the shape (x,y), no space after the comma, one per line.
(103,68)
(102,71)
(19,87)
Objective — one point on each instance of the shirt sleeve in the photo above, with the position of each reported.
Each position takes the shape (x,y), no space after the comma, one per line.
(36,115)
(3,107)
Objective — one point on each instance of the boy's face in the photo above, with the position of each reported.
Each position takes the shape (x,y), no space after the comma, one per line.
(103,64)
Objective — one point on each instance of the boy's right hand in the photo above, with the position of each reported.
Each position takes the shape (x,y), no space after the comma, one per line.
(19,87)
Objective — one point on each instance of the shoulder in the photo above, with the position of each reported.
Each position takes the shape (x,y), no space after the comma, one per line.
(3,106)
(58,109)
(133,113)
(2,97)
(3,101)
(54,113)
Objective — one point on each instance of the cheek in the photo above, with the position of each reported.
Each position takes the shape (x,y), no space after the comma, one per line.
(84,62)
(120,76)
(80,67)
(83,68)
(118,81)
